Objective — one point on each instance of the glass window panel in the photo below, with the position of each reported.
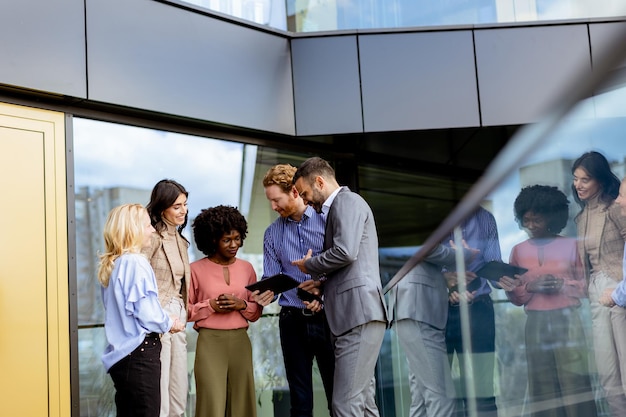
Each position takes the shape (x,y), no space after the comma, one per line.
(328,15)
(116,164)
(264,12)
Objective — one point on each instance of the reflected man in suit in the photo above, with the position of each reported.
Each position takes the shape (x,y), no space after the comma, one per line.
(353,298)
(419,307)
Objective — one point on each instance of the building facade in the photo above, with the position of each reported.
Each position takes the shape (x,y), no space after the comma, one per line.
(99,100)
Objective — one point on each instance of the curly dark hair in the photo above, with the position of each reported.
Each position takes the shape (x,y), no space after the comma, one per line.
(546,201)
(212,223)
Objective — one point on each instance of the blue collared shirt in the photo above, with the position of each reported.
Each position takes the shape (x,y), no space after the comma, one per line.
(131,307)
(481,232)
(285,241)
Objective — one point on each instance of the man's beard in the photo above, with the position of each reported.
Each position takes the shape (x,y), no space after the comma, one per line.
(317,207)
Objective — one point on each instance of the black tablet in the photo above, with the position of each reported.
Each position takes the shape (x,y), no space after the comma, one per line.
(277,283)
(495,270)
(307,296)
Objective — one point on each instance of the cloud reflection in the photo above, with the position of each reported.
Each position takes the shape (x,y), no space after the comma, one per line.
(108,155)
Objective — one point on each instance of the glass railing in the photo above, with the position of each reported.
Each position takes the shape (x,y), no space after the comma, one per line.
(546,339)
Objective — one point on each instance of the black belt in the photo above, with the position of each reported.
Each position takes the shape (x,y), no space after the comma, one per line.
(153,335)
(299,311)
(484,298)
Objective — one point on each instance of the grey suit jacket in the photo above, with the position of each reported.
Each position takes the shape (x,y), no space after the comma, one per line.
(422,294)
(352,292)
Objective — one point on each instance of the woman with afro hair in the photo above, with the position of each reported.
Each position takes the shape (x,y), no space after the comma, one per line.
(550,291)
(221,307)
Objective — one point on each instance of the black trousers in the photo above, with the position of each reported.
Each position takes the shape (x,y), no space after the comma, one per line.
(137,380)
(482,353)
(303,338)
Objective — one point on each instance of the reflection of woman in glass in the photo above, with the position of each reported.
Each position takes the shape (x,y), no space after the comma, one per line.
(133,318)
(550,292)
(617,295)
(601,233)
(169,259)
(221,308)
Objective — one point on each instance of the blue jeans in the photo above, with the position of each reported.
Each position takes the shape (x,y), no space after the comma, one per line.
(303,338)
(136,379)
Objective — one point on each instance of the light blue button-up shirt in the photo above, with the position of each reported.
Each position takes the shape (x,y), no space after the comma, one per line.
(132,307)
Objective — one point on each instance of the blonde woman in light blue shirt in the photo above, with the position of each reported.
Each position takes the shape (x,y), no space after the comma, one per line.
(134,318)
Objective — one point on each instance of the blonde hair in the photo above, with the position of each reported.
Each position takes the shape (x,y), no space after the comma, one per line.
(123,233)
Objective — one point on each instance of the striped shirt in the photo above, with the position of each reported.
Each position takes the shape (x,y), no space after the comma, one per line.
(480,232)
(285,241)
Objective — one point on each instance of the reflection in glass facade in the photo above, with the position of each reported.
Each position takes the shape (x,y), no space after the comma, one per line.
(329,15)
(264,12)
(558,338)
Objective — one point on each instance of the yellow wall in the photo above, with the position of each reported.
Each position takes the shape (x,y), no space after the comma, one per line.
(34,334)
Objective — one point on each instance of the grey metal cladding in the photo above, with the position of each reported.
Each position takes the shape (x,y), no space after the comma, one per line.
(326,85)
(43,46)
(157,57)
(423,80)
(522,70)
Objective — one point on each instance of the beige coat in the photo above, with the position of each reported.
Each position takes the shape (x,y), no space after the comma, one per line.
(611,231)
(158,257)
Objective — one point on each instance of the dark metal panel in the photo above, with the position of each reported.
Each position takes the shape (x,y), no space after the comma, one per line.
(522,70)
(162,58)
(326,85)
(604,103)
(602,33)
(43,46)
(423,80)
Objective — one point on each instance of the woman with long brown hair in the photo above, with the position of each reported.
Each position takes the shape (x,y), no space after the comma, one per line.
(601,236)
(169,259)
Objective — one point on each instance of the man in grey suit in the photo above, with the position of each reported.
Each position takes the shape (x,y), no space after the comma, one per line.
(419,307)
(353,299)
